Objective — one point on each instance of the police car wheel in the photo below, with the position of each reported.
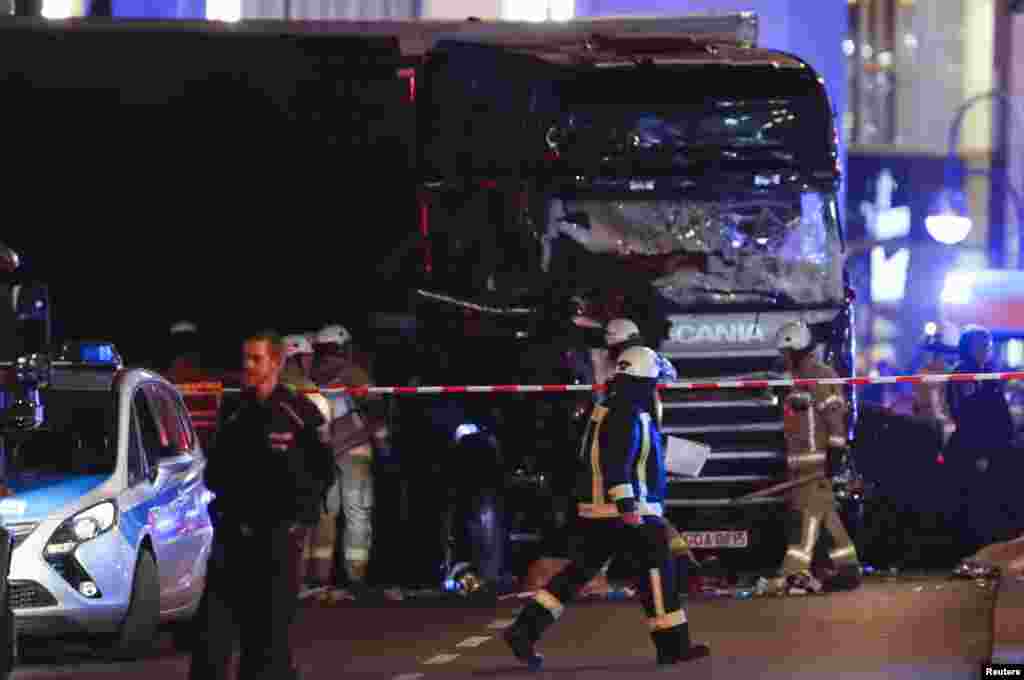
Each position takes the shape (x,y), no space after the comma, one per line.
(138,631)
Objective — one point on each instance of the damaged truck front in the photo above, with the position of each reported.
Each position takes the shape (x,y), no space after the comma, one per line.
(688,180)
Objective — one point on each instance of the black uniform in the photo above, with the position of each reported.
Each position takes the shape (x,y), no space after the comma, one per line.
(984,430)
(622,472)
(264,487)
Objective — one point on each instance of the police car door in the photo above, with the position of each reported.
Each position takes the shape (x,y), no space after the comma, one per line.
(167,468)
(196,529)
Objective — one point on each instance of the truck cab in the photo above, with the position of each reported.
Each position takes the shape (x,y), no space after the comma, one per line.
(672,172)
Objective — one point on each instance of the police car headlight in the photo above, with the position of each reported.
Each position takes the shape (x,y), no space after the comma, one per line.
(85,526)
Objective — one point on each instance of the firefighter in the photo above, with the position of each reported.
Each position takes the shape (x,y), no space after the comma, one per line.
(620,335)
(315,538)
(185,366)
(620,511)
(815,434)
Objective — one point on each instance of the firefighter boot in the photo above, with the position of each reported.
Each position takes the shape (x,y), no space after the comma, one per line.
(802,583)
(673,646)
(846,578)
(522,635)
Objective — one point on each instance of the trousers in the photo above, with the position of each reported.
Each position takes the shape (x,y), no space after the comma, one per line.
(250,597)
(814,509)
(356,488)
(642,551)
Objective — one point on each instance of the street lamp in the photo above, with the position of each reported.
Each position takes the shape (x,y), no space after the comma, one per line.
(948,223)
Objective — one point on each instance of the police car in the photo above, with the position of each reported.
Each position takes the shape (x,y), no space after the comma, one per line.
(106,499)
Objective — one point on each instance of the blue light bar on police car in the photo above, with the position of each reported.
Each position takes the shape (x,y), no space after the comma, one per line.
(91,352)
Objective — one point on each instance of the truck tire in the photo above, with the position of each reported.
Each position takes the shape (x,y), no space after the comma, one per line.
(138,632)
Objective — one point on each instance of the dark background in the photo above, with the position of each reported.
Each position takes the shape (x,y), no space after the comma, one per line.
(234,182)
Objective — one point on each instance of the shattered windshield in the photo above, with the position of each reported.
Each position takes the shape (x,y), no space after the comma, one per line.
(781,248)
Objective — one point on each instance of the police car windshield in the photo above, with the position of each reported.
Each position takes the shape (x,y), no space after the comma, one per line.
(76,438)
(724,252)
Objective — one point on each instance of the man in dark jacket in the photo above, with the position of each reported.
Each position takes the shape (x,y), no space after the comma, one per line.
(977,453)
(269,469)
(620,511)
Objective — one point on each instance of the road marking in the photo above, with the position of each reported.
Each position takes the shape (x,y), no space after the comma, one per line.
(441,658)
(410,676)
(474,641)
(500,623)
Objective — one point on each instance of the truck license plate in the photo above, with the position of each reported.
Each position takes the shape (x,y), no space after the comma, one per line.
(716,539)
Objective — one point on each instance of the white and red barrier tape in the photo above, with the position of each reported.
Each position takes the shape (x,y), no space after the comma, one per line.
(206,388)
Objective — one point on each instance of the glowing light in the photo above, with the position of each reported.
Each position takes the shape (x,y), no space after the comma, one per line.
(957,288)
(538,10)
(948,229)
(224,10)
(931,328)
(58,9)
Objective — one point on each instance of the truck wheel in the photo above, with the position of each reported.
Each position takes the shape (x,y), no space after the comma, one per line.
(138,632)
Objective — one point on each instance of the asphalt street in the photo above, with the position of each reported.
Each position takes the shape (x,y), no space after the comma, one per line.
(911,626)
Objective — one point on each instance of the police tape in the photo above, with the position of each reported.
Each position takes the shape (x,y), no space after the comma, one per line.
(208,388)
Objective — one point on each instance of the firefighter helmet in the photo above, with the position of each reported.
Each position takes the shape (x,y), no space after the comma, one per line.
(333,335)
(639,362)
(619,331)
(794,335)
(296,344)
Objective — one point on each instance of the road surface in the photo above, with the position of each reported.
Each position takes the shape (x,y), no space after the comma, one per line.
(923,626)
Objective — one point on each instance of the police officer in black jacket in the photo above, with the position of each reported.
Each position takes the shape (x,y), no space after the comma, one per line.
(978,453)
(269,468)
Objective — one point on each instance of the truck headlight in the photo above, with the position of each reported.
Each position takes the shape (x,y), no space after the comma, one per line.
(83,527)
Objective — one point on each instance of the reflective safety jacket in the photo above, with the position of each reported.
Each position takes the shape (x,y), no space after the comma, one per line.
(814,420)
(623,465)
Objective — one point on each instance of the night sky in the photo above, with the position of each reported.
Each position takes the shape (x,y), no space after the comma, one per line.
(235,184)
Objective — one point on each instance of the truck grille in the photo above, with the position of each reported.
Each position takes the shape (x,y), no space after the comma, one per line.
(743,427)
(29,595)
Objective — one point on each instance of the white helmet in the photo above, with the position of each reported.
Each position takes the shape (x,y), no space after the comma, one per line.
(184,327)
(295,345)
(336,335)
(639,362)
(795,335)
(619,331)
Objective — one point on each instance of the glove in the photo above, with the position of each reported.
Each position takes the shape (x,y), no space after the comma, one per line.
(628,510)
(835,461)
(632,519)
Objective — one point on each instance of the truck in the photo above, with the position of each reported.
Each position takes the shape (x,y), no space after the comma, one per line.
(672,172)
(668,169)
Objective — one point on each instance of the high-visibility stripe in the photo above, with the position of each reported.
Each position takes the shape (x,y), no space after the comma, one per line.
(668,621)
(837,441)
(842,554)
(620,492)
(610,510)
(549,602)
(597,477)
(811,535)
(806,459)
(657,594)
(645,450)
